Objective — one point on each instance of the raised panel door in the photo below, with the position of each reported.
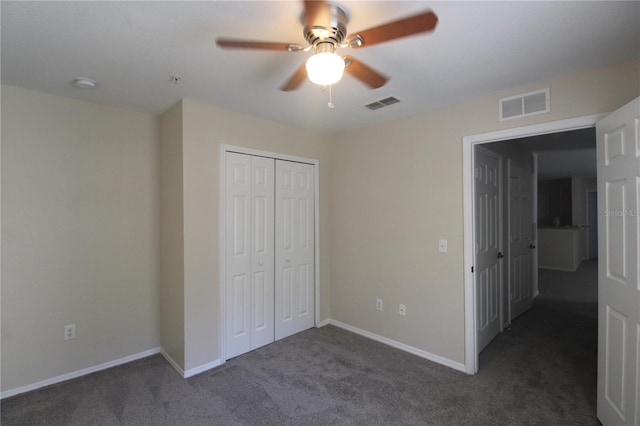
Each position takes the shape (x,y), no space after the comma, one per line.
(295,248)
(520,241)
(618,157)
(487,196)
(249,252)
(238,254)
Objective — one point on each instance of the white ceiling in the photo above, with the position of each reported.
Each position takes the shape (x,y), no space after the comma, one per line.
(132,48)
(565,164)
(560,155)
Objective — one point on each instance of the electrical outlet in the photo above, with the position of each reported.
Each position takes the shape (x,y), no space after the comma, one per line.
(379,304)
(402,310)
(442,246)
(69,332)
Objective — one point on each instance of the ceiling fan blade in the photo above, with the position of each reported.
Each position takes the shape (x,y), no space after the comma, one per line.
(311,10)
(364,73)
(251,44)
(296,79)
(416,24)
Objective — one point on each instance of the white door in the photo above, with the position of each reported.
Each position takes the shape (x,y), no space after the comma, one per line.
(618,151)
(592,221)
(249,290)
(487,204)
(295,227)
(520,241)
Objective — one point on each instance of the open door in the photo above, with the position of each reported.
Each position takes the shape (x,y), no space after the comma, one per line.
(488,207)
(520,240)
(618,149)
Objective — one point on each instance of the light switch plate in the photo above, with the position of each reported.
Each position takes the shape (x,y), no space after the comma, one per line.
(442,246)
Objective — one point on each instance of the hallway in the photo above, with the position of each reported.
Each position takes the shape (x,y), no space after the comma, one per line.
(570,292)
(549,354)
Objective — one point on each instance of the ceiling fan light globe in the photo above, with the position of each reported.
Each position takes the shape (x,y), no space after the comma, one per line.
(325,68)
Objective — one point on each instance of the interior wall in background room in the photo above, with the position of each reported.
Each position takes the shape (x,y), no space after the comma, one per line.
(580,186)
(80,226)
(396,189)
(555,203)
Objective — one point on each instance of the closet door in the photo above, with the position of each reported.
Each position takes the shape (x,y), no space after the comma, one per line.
(262,251)
(295,257)
(249,198)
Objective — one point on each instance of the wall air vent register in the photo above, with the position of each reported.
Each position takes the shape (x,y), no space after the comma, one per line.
(526,104)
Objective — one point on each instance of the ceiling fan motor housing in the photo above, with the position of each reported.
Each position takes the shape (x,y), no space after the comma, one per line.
(329,24)
(325,29)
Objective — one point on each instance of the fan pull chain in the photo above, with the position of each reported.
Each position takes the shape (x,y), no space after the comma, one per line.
(330,103)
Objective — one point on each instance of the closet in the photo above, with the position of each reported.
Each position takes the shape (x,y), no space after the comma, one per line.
(269,231)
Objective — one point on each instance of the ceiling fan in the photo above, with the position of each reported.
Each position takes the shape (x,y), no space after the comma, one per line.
(325,29)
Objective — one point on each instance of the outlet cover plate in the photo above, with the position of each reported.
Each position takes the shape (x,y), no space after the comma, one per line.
(69,332)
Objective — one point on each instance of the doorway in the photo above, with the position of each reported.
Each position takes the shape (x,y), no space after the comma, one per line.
(469,145)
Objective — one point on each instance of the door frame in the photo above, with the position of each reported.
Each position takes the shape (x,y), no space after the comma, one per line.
(587,219)
(510,164)
(534,206)
(222,224)
(468,145)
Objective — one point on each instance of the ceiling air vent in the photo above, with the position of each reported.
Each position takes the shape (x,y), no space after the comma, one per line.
(381,103)
(531,103)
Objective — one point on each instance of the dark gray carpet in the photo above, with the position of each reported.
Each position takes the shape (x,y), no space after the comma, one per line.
(574,292)
(542,372)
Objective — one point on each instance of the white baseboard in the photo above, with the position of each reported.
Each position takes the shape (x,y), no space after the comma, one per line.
(172,362)
(192,371)
(555,268)
(202,368)
(412,350)
(323,323)
(78,373)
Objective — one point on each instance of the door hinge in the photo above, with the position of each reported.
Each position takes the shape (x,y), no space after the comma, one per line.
(472,269)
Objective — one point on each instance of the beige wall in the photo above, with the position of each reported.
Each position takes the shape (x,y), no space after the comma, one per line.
(561,248)
(204,129)
(172,235)
(396,189)
(82,209)
(79,234)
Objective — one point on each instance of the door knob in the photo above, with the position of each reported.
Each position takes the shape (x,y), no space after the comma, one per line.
(531,246)
(500,255)
(260,263)
(287,259)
